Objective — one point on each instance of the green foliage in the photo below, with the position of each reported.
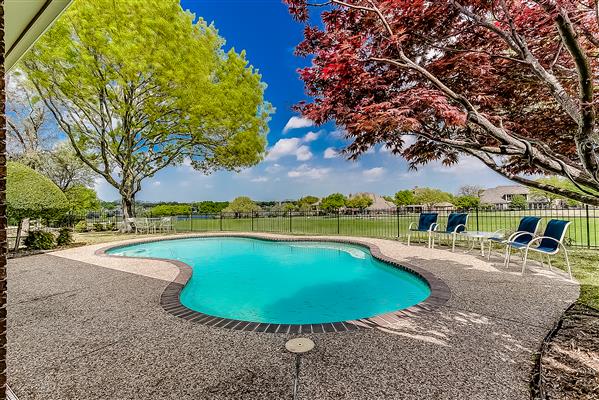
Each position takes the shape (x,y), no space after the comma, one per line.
(81,227)
(404,198)
(211,207)
(430,196)
(561,183)
(39,240)
(518,202)
(242,204)
(164,210)
(333,202)
(64,168)
(29,194)
(168,90)
(360,202)
(65,237)
(82,199)
(308,200)
(466,202)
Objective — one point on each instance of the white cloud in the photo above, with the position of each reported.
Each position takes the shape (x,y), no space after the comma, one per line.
(274,168)
(259,179)
(384,149)
(466,165)
(374,174)
(305,171)
(297,123)
(331,153)
(311,136)
(289,147)
(156,183)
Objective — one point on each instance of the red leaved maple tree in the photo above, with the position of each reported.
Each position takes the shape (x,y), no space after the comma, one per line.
(511,83)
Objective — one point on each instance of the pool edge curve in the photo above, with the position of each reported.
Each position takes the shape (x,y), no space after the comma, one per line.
(170,302)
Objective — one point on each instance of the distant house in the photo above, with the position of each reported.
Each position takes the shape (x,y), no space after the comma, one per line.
(500,197)
(378,202)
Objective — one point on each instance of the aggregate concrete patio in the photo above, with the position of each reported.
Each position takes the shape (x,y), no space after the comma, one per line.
(83,326)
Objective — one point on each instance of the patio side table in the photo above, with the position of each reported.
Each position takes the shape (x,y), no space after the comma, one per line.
(482,237)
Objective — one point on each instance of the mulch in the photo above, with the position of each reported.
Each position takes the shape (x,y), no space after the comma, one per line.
(568,365)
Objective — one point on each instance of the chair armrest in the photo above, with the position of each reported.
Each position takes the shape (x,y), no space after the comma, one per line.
(411,225)
(433,227)
(517,234)
(458,227)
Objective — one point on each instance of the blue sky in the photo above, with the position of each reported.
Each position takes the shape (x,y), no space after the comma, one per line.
(302,160)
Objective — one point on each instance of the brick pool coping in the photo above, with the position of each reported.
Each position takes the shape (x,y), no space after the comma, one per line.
(170,298)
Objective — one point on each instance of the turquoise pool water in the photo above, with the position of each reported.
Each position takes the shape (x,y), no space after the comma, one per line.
(285,282)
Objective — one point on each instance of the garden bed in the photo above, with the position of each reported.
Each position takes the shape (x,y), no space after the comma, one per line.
(568,365)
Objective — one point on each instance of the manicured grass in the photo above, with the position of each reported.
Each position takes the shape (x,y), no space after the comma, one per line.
(392,226)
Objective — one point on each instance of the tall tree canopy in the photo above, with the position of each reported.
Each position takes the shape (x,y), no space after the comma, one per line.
(138,86)
(509,82)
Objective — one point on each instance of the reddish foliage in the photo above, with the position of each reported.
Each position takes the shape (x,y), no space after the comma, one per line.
(355,80)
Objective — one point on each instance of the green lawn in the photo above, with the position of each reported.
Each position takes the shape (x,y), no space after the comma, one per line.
(390,226)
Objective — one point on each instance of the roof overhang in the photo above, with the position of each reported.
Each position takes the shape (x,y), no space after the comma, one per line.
(24,22)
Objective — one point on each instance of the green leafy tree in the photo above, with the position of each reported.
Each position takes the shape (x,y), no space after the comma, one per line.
(211,207)
(137,86)
(518,202)
(333,202)
(242,204)
(64,168)
(466,202)
(562,183)
(404,198)
(82,199)
(360,202)
(306,203)
(29,194)
(430,197)
(170,210)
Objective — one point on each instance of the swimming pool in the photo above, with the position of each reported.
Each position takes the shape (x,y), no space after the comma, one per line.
(281,282)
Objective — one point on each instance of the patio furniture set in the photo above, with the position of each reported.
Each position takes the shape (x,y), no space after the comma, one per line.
(151,225)
(524,239)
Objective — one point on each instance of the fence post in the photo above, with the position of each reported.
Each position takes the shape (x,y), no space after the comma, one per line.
(252,221)
(290,222)
(191,221)
(476,212)
(221,221)
(397,214)
(338,231)
(588,227)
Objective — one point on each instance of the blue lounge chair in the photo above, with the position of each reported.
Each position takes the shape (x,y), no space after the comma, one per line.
(426,223)
(456,223)
(549,244)
(527,230)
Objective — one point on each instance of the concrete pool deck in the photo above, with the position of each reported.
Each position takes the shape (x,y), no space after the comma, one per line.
(85,326)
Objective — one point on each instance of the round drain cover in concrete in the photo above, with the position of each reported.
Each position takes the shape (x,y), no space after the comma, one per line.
(299,345)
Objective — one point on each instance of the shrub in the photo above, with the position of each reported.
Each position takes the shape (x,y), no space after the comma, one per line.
(98,227)
(39,240)
(81,226)
(65,237)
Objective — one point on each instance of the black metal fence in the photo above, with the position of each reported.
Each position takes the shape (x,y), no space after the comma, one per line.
(391,223)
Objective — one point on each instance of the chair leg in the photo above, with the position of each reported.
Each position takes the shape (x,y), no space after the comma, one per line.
(453,242)
(490,248)
(409,235)
(568,263)
(549,262)
(524,262)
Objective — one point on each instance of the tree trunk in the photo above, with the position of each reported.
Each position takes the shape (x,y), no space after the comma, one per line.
(3,221)
(128,205)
